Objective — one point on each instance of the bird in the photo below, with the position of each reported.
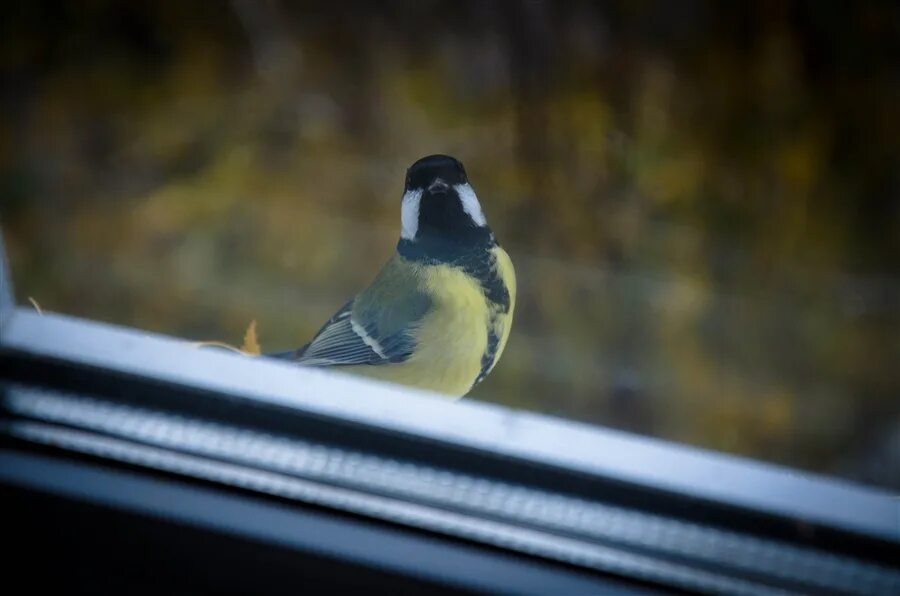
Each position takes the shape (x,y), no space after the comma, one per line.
(439,313)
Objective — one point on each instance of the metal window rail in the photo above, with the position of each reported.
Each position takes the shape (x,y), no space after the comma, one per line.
(573,504)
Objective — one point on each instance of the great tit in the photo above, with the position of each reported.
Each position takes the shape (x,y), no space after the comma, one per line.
(439,313)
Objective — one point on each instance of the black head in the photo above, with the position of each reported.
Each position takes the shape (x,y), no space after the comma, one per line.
(439,205)
(424,172)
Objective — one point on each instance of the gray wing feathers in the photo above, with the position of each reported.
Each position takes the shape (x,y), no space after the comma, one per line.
(339,344)
(362,333)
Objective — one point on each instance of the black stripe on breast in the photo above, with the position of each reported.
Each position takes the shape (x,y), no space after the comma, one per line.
(490,352)
(483,267)
(486,271)
(477,260)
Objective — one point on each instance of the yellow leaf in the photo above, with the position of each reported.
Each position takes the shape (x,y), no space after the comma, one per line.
(251,345)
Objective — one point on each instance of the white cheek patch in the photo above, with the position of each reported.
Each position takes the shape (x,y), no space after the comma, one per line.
(409,214)
(470,203)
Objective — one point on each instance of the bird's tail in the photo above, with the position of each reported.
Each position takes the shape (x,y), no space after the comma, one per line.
(289,355)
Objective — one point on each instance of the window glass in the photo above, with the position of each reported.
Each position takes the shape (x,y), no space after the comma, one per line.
(702,201)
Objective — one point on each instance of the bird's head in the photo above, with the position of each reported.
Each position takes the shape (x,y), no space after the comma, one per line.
(440,204)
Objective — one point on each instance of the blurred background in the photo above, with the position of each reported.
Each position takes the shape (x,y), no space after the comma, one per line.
(702,199)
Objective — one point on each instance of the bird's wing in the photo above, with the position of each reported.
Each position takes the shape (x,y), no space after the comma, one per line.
(368,330)
(342,341)
(377,327)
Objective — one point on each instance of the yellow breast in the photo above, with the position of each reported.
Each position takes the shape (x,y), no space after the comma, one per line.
(450,340)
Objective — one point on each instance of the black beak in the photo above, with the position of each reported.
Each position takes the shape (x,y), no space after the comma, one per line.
(438,186)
